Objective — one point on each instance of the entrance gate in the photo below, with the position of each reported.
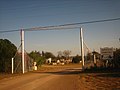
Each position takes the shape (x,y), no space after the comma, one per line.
(51,28)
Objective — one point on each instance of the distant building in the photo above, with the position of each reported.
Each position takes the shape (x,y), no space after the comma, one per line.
(106,53)
(49,60)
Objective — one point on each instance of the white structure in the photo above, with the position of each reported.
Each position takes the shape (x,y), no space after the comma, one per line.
(12,65)
(94,58)
(54,63)
(58,61)
(35,66)
(49,60)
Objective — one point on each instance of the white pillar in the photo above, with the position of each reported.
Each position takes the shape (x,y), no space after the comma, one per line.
(94,57)
(82,47)
(22,42)
(12,66)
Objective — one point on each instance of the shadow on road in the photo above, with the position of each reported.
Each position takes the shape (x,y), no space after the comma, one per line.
(63,72)
(78,71)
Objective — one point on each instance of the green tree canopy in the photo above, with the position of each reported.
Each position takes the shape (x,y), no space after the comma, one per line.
(7,51)
(76,59)
(49,55)
(116,60)
(37,57)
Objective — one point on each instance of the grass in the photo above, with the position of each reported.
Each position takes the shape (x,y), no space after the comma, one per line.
(97,78)
(101,69)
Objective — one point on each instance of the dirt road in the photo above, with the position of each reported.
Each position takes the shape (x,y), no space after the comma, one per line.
(64,79)
(68,77)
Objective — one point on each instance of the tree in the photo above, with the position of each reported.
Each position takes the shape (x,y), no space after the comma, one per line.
(7,51)
(43,53)
(76,59)
(116,58)
(66,53)
(89,56)
(37,57)
(49,55)
(60,54)
(97,55)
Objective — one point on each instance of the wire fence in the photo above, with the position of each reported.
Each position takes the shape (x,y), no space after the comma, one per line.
(17,62)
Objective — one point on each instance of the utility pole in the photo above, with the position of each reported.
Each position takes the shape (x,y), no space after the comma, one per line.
(22,42)
(82,48)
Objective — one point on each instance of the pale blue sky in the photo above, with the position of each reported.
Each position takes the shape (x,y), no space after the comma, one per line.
(17,14)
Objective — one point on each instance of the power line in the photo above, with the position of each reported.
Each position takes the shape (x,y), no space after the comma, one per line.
(64,26)
(69,26)
(9,31)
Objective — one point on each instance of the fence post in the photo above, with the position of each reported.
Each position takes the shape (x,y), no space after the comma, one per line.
(12,66)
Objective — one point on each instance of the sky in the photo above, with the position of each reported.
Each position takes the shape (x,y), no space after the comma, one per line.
(23,14)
